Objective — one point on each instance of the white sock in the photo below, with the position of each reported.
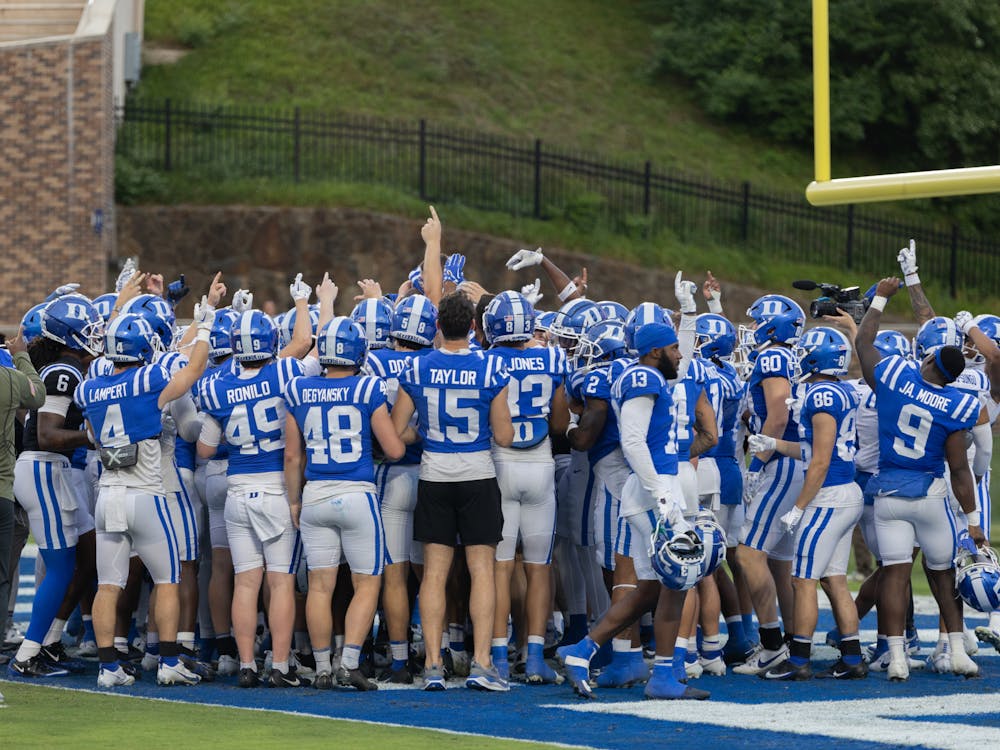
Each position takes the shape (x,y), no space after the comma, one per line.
(121,644)
(537,639)
(322,656)
(55,632)
(621,645)
(351,657)
(897,648)
(185,640)
(27,649)
(995,620)
(281,666)
(248,665)
(338,643)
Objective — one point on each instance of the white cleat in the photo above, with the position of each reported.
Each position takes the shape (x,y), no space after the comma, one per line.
(881,662)
(899,670)
(761,660)
(962,665)
(228,665)
(87,650)
(108,678)
(715,667)
(940,660)
(176,675)
(150,662)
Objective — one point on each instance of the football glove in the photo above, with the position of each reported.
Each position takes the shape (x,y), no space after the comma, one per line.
(532,292)
(525,259)
(907,258)
(684,291)
(751,483)
(791,519)
(417,280)
(453,269)
(62,291)
(964,321)
(127,271)
(299,289)
(761,443)
(177,290)
(242,301)
(204,315)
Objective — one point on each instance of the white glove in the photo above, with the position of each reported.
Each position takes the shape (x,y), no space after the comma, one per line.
(525,259)
(242,301)
(964,321)
(684,291)
(761,443)
(204,315)
(299,289)
(751,483)
(907,258)
(532,292)
(670,510)
(791,519)
(574,422)
(127,270)
(66,289)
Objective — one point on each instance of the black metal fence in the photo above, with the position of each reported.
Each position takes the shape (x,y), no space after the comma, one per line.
(532,179)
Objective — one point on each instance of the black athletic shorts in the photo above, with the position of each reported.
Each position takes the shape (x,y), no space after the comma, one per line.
(447,510)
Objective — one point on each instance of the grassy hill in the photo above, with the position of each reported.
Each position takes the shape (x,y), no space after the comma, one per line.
(575,73)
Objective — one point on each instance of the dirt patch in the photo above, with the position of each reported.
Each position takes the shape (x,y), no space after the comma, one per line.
(161,54)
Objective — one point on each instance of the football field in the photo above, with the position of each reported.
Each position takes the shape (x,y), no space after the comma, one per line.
(931,710)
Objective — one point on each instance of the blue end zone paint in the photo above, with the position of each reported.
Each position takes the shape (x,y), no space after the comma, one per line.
(547,714)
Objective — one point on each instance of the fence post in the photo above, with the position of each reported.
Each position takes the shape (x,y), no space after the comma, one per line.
(953,266)
(297,132)
(538,178)
(850,236)
(167,156)
(646,187)
(745,219)
(422,177)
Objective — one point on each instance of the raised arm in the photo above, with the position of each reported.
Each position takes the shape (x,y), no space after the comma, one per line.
(432,274)
(184,379)
(301,341)
(864,342)
(566,287)
(986,346)
(907,258)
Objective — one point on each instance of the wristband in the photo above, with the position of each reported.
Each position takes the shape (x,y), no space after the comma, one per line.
(912,279)
(756,464)
(715,306)
(879,302)
(204,334)
(567,291)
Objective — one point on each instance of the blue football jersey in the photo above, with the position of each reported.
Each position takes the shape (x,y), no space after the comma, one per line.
(99,367)
(661,438)
(597,384)
(335,416)
(185,454)
(388,364)
(252,413)
(226,368)
(776,362)
(452,393)
(916,417)
(124,408)
(535,373)
(840,401)
(686,393)
(725,392)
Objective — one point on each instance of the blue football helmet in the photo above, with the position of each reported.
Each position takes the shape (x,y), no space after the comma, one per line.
(603,343)
(778,318)
(934,334)
(543,320)
(288,326)
(342,343)
(105,304)
(375,318)
(824,351)
(573,319)
(509,317)
(713,538)
(158,313)
(415,320)
(714,336)
(31,323)
(611,310)
(220,339)
(642,314)
(129,340)
(254,337)
(988,324)
(677,558)
(977,576)
(73,321)
(889,342)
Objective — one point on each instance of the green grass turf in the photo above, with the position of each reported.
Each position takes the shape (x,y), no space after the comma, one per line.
(40,717)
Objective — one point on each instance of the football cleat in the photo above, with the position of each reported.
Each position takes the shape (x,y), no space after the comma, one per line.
(618,674)
(663,687)
(460,661)
(962,665)
(354,678)
(36,666)
(176,674)
(485,678)
(55,653)
(131,669)
(150,662)
(737,652)
(13,636)
(912,642)
(693,669)
(988,635)
(971,642)
(880,661)
(324,681)
(576,660)
(842,671)
(434,678)
(133,654)
(715,667)
(401,676)
(108,678)
(248,678)
(898,670)
(86,650)
(537,672)
(287,679)
(761,660)
(787,671)
(833,638)
(228,665)
(200,668)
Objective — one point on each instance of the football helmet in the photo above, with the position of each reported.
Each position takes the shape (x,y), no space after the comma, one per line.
(288,326)
(158,313)
(31,323)
(543,320)
(977,576)
(603,343)
(415,320)
(611,310)
(220,340)
(342,342)
(73,321)
(254,337)
(573,320)
(713,538)
(375,318)
(988,324)
(129,340)
(509,317)
(778,318)
(934,334)
(823,351)
(889,342)
(105,304)
(677,558)
(714,336)
(640,315)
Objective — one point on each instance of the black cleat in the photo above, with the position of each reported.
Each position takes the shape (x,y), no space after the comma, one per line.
(133,654)
(131,669)
(354,678)
(36,666)
(248,678)
(785,670)
(401,676)
(200,668)
(287,680)
(324,681)
(55,654)
(842,671)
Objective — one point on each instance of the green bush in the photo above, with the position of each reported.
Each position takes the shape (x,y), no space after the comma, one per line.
(135,183)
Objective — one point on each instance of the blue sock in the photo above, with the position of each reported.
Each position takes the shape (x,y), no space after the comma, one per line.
(59,566)
(747,624)
(170,661)
(109,666)
(735,630)
(680,656)
(536,651)
(691,657)
(133,631)
(88,629)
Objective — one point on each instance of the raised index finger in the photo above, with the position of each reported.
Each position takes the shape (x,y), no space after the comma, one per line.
(434,214)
